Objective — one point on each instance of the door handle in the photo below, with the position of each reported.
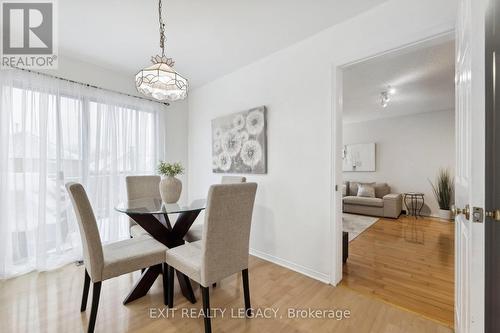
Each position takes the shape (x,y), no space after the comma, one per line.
(466,211)
(495,215)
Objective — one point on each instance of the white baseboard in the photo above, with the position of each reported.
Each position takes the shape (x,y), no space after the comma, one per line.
(436,216)
(424,215)
(292,266)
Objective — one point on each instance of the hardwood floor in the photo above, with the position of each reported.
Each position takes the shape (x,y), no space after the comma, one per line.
(50,302)
(408,263)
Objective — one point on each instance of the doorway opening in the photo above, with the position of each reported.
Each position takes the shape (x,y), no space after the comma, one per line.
(397,159)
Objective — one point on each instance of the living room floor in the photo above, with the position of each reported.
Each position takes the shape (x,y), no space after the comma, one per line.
(406,262)
(50,302)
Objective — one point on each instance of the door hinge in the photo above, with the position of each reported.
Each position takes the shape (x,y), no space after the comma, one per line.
(477,214)
(336,188)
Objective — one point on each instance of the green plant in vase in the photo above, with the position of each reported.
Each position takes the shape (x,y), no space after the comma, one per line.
(444,189)
(170,185)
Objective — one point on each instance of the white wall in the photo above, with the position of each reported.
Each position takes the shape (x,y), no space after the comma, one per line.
(410,150)
(175,116)
(292,215)
(88,73)
(176,139)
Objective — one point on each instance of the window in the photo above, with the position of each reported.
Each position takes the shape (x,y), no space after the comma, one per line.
(52,133)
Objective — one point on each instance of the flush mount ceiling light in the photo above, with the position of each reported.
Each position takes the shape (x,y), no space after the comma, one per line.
(385,96)
(160,81)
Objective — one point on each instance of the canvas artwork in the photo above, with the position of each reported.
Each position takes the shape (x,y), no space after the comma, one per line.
(358,157)
(239,142)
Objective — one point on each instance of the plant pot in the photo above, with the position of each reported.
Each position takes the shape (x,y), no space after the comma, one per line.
(445,214)
(170,189)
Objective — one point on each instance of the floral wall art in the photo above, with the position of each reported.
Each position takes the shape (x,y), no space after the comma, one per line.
(239,142)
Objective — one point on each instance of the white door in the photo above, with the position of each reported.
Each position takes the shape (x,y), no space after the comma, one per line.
(470,164)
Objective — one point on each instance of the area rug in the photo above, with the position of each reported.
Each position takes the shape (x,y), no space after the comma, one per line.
(356,224)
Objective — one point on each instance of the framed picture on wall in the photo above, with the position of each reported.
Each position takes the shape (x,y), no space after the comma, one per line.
(359,157)
(239,142)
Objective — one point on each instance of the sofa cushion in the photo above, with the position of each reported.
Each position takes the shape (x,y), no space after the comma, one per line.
(362,201)
(381,189)
(353,187)
(345,188)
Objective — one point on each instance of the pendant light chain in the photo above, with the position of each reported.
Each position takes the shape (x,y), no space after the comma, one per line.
(162,30)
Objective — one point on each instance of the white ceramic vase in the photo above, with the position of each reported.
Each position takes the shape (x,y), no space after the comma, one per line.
(170,189)
(445,214)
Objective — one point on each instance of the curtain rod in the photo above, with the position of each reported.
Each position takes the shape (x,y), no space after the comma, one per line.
(89,85)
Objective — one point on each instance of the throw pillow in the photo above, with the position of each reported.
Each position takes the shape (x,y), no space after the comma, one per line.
(352,189)
(365,190)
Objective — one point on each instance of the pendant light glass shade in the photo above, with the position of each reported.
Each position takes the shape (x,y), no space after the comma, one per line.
(161,82)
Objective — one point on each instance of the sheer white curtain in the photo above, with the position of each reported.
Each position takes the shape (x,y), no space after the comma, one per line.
(53,132)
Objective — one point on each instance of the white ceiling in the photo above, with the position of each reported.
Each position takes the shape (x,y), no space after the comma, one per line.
(207,39)
(422,75)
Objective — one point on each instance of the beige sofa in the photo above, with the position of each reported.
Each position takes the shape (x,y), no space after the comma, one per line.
(385,203)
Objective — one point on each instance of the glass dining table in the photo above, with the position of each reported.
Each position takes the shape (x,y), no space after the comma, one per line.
(153,216)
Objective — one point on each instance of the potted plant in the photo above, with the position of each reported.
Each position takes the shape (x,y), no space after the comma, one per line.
(170,186)
(443,191)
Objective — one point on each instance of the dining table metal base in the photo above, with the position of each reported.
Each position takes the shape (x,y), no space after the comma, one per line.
(160,228)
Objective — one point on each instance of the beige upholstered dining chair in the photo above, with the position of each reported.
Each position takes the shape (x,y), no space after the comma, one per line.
(108,261)
(223,249)
(141,187)
(194,233)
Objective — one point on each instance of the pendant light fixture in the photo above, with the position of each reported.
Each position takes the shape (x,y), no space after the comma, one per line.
(160,81)
(385,96)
